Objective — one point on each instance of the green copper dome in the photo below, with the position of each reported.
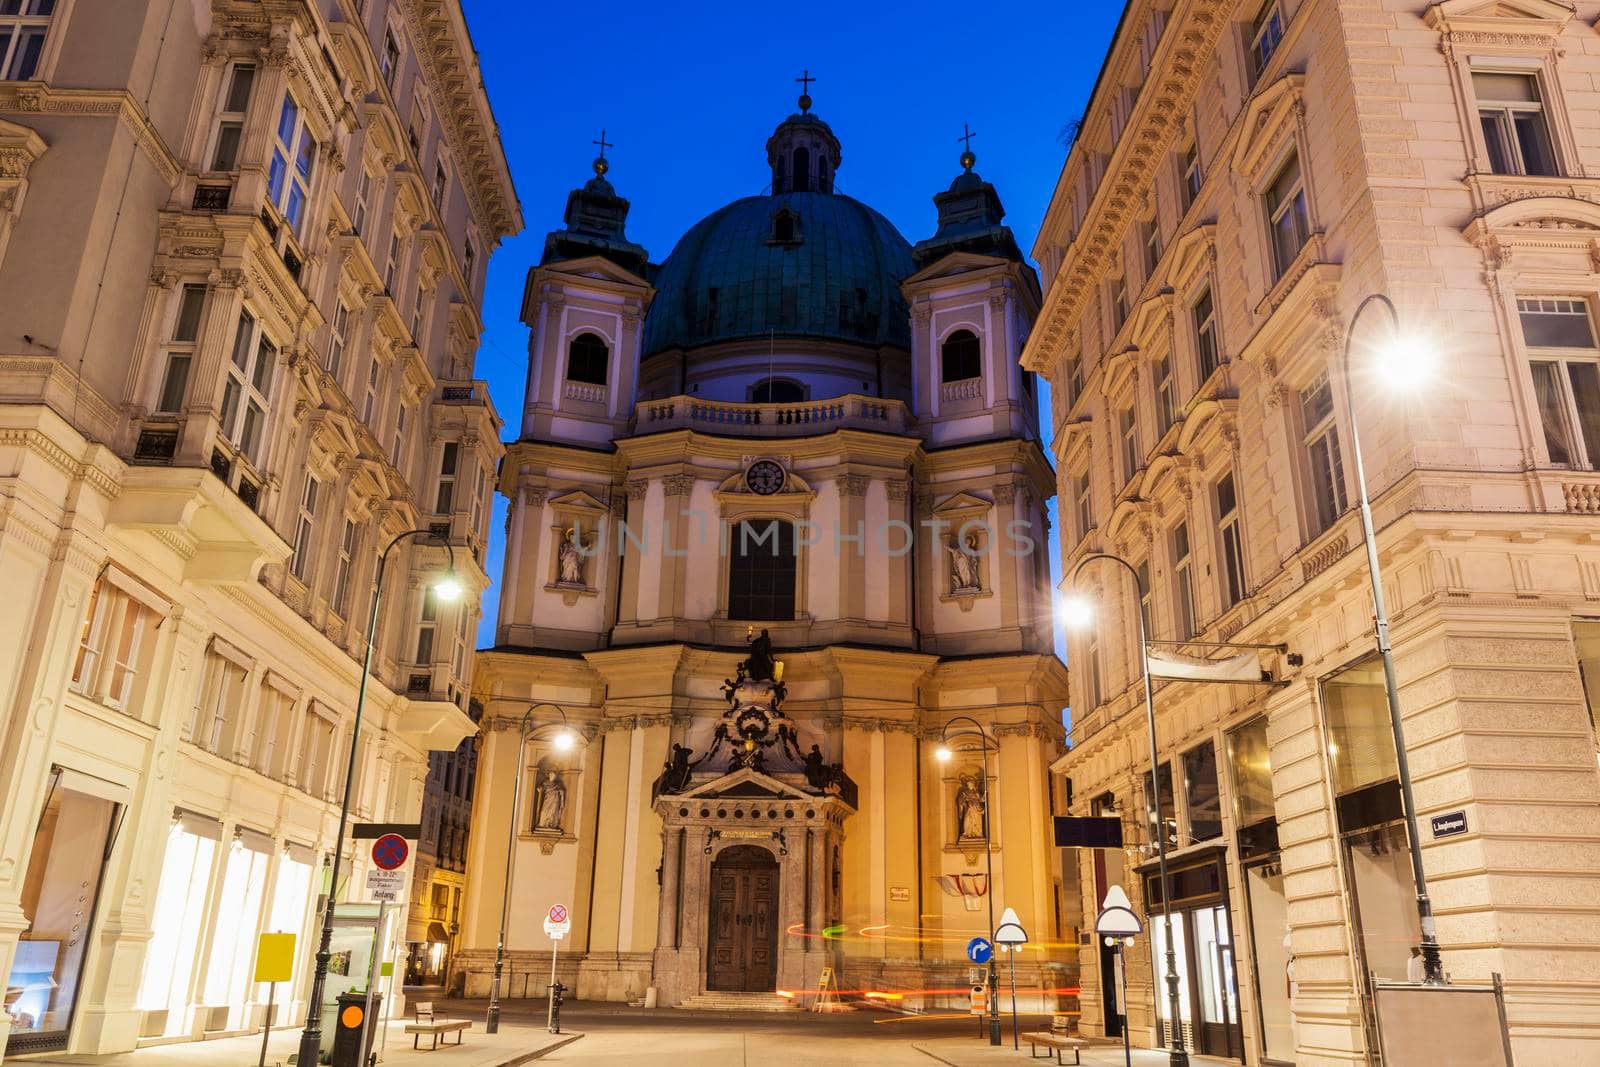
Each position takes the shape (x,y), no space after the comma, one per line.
(797,264)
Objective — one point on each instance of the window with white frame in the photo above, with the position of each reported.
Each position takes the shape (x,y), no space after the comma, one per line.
(1166,395)
(305,529)
(1565,364)
(1266,33)
(1203,315)
(1091,650)
(1516,130)
(230,118)
(246,399)
(369,403)
(1287,218)
(344,572)
(1190,176)
(294,154)
(1150,238)
(358,214)
(427,623)
(111,645)
(445,499)
(275,723)
(1182,582)
(1083,499)
(1325,466)
(397,447)
(1232,541)
(1119,303)
(1128,430)
(218,704)
(338,334)
(418,307)
(458,660)
(389,61)
(316,752)
(469,263)
(24,25)
(480,494)
(441,185)
(1145,594)
(180,349)
(1074,378)
(391,263)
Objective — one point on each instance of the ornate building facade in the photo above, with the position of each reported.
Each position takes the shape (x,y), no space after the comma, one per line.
(777,514)
(1245,175)
(242,250)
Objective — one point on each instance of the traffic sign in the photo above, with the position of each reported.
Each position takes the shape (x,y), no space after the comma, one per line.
(386,885)
(558,913)
(557,922)
(979,950)
(390,852)
(1010,931)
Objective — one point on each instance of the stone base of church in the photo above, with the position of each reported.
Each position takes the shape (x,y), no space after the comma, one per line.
(614,976)
(525,977)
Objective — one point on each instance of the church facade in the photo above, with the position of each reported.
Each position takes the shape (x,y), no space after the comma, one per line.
(777,516)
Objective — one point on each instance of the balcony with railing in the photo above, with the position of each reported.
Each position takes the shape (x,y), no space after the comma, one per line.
(852,411)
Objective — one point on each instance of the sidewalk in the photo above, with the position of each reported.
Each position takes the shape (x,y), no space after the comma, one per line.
(511,1046)
(969,1052)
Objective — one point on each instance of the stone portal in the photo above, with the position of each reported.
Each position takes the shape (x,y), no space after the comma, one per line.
(743,932)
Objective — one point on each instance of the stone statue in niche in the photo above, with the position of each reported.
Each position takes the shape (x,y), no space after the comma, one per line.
(969,809)
(549,804)
(964,564)
(569,558)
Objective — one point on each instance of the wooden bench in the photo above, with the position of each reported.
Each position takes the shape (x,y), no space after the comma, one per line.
(425,1022)
(1058,1043)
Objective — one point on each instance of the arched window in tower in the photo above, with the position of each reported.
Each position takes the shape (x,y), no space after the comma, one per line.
(780,176)
(961,356)
(802,170)
(761,570)
(587,358)
(823,185)
(778,391)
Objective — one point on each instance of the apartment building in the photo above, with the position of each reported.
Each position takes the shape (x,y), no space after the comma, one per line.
(1244,176)
(242,248)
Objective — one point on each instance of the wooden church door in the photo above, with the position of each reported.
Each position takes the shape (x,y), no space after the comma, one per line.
(742,956)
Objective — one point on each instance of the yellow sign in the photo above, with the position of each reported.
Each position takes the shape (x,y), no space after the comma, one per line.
(275,958)
(825,979)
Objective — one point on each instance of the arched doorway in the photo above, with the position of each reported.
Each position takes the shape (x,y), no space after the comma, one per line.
(743,952)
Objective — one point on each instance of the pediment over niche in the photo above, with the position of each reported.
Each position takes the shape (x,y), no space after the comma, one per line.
(962,503)
(1539,17)
(578,500)
(1268,123)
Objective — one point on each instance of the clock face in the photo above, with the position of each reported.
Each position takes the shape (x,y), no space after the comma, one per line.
(765,477)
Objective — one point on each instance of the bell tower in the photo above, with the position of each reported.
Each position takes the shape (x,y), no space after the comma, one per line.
(584,305)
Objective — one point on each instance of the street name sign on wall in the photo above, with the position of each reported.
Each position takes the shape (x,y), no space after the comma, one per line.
(1449,824)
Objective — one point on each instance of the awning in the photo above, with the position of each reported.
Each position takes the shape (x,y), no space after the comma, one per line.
(437,932)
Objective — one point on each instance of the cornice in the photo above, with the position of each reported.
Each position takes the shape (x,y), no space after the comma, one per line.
(36,98)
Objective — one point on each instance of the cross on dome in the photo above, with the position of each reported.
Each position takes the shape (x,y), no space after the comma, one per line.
(600,165)
(805,81)
(967,157)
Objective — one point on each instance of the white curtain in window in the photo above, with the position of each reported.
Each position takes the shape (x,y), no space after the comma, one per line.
(169,961)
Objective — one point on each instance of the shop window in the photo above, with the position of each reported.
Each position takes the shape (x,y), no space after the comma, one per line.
(24,25)
(1182,582)
(1231,540)
(233,942)
(960,357)
(1250,759)
(762,569)
(1516,131)
(291,898)
(1166,396)
(60,892)
(1324,463)
(1288,219)
(1266,33)
(1202,798)
(112,645)
(1161,812)
(588,358)
(1202,314)
(1565,365)
(176,924)
(246,398)
(294,154)
(1587,637)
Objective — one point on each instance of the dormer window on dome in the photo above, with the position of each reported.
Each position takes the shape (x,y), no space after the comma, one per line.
(785,227)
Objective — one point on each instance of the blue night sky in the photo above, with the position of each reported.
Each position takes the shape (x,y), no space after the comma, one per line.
(690,93)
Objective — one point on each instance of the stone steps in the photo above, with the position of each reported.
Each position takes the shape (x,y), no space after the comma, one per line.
(718,1001)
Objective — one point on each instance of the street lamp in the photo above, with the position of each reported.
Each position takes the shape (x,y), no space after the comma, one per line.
(563,741)
(943,754)
(1080,613)
(447,587)
(1405,362)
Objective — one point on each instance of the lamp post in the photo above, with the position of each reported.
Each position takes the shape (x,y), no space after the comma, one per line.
(563,743)
(1409,361)
(446,588)
(1178,1057)
(943,755)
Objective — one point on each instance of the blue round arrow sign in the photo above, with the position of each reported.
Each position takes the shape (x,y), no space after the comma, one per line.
(979,950)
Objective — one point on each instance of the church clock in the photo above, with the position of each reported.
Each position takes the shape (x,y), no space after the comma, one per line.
(765,477)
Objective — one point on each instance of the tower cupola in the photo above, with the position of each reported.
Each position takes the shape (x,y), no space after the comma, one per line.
(803,152)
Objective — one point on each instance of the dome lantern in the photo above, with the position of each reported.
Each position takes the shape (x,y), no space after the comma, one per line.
(803,152)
